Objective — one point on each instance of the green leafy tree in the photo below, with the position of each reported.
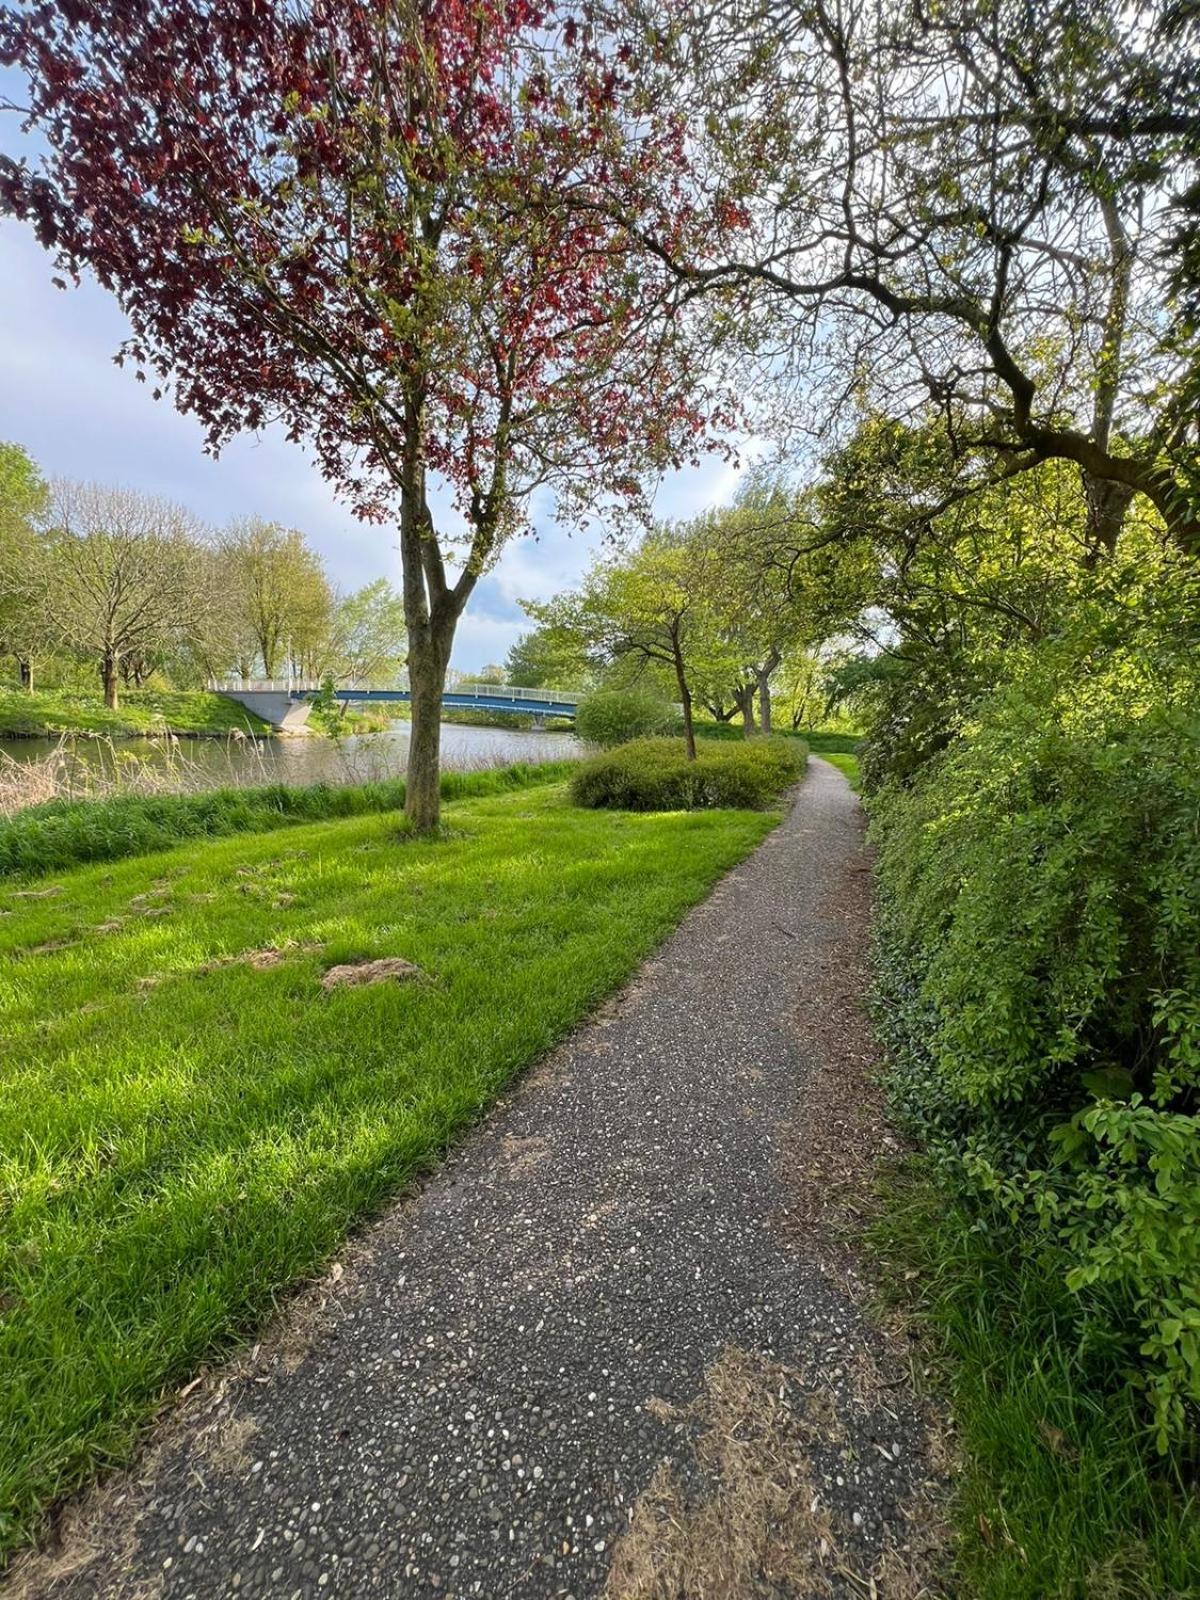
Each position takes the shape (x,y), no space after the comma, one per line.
(367,635)
(651,607)
(957,585)
(23,498)
(122,577)
(280,602)
(548,657)
(778,582)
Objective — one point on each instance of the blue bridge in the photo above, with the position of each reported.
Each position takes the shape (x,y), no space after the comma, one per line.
(285,703)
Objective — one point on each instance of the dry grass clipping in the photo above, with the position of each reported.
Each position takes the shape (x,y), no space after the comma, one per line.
(761,1527)
(359,972)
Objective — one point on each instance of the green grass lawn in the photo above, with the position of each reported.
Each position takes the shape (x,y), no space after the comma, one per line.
(183,1134)
(142,711)
(844,763)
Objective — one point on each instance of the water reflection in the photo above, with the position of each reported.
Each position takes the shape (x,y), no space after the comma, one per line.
(209,763)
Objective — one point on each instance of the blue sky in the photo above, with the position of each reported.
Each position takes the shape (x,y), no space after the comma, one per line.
(80,416)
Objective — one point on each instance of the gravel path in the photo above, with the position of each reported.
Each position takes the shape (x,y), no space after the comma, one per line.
(614,1347)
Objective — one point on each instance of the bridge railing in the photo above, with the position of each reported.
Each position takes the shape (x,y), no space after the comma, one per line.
(506,691)
(476,691)
(263,685)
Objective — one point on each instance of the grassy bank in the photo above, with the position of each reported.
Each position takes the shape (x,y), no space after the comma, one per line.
(69,833)
(844,763)
(187,713)
(821,741)
(191,1122)
(1057,1494)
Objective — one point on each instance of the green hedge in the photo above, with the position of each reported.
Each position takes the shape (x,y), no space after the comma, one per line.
(61,834)
(656,775)
(1040,959)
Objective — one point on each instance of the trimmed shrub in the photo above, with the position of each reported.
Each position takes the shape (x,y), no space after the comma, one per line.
(656,775)
(63,833)
(613,716)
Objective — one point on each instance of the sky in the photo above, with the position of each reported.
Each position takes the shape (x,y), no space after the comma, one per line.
(80,416)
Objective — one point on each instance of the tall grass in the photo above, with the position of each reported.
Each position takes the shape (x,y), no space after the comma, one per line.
(1055,1496)
(66,833)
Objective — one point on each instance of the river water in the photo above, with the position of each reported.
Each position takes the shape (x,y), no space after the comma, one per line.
(209,763)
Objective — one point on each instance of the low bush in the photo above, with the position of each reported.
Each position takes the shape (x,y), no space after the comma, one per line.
(61,834)
(1040,960)
(614,716)
(656,775)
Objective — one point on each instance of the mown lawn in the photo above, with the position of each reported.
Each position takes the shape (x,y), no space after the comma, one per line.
(844,763)
(142,711)
(183,1134)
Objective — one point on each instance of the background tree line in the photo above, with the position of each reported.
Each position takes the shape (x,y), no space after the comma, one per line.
(732,614)
(125,587)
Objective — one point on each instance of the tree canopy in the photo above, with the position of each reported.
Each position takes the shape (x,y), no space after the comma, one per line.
(364,221)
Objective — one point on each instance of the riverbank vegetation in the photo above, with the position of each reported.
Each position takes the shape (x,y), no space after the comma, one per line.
(185,713)
(63,834)
(196,1110)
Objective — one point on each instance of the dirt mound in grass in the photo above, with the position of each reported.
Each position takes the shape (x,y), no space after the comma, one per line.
(383,970)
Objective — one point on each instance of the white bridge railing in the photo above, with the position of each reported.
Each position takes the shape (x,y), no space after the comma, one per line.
(480,691)
(263,685)
(506,691)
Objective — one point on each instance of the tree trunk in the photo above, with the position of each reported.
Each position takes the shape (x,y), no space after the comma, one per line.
(764,701)
(745,697)
(25,669)
(720,713)
(428,657)
(1107,503)
(110,678)
(685,697)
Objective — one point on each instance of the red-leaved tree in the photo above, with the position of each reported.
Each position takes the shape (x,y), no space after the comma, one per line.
(371,220)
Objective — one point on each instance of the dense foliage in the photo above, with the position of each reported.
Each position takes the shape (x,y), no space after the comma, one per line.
(1041,966)
(613,716)
(656,775)
(62,834)
(718,612)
